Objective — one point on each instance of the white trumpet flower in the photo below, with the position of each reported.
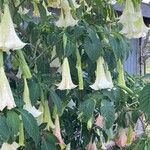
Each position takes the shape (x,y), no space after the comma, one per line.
(108,76)
(8,37)
(13,146)
(132,21)
(28,106)
(66,18)
(103,79)
(6,96)
(142,29)
(66,82)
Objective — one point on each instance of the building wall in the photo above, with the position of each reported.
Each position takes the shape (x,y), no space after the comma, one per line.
(132,63)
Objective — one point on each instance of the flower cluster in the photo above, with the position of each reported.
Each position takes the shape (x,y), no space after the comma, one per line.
(66,18)
(132,21)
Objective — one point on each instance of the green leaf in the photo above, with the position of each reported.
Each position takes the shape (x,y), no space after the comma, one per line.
(56,100)
(108,112)
(92,45)
(42,11)
(35,91)
(4,129)
(30,125)
(13,122)
(49,142)
(86,109)
(70,48)
(144,100)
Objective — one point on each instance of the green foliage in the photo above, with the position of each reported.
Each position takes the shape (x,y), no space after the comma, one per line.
(108,112)
(144,100)
(86,109)
(4,129)
(92,45)
(49,142)
(30,125)
(57,101)
(96,34)
(13,122)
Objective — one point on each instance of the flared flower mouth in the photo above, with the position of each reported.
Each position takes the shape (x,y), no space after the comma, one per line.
(28,106)
(13,146)
(66,83)
(132,21)
(7,33)
(6,96)
(66,18)
(103,76)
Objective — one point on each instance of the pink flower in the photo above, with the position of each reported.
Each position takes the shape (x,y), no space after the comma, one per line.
(92,146)
(57,132)
(122,140)
(99,121)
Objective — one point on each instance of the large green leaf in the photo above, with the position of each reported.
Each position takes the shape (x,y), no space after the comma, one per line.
(4,129)
(49,142)
(144,100)
(30,125)
(92,45)
(70,48)
(108,112)
(35,91)
(13,122)
(56,100)
(86,109)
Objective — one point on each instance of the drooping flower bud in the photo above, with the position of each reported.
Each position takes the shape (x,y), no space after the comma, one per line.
(47,117)
(28,106)
(57,132)
(130,135)
(122,138)
(92,145)
(100,121)
(24,68)
(8,37)
(66,82)
(102,81)
(13,146)
(36,12)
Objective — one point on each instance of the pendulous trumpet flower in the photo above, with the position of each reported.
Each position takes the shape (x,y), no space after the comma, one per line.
(66,82)
(132,21)
(8,37)
(13,146)
(103,76)
(66,18)
(6,96)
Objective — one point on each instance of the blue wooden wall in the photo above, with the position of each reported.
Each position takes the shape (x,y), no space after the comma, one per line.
(132,63)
